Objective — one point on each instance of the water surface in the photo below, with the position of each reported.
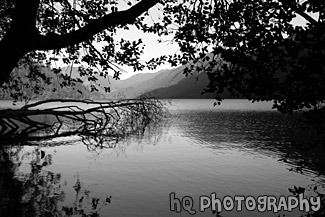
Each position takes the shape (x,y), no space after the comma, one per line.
(231,150)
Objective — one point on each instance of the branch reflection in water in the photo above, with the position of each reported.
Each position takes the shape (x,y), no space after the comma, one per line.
(29,188)
(200,151)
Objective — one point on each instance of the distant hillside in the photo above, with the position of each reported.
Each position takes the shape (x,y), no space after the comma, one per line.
(29,90)
(167,83)
(188,87)
(143,83)
(135,85)
(73,72)
(131,87)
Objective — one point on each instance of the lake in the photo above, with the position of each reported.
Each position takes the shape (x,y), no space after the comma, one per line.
(232,150)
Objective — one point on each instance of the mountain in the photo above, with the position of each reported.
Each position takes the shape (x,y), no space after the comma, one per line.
(30,89)
(129,88)
(166,83)
(188,87)
(143,83)
(74,73)
(135,85)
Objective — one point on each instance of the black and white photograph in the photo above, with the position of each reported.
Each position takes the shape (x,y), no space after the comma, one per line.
(162,108)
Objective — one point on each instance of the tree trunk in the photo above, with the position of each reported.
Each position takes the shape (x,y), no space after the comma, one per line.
(11,51)
(23,37)
(18,39)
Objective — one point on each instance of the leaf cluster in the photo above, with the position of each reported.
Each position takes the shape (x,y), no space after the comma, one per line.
(100,54)
(252,48)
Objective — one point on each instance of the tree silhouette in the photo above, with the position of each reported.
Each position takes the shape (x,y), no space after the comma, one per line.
(29,27)
(253,49)
(250,48)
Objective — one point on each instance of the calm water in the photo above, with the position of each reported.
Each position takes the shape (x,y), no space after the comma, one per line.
(231,150)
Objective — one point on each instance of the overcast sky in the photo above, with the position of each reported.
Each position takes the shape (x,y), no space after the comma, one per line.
(152,48)
(155,49)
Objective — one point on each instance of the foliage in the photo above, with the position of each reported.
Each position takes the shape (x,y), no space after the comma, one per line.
(250,48)
(31,81)
(72,32)
(257,51)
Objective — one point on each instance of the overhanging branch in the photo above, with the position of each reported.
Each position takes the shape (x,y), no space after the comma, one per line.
(96,26)
(311,20)
(301,12)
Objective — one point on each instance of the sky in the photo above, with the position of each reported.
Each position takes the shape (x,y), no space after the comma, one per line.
(154,49)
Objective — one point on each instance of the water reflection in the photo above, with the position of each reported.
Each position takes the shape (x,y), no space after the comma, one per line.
(259,132)
(39,192)
(197,152)
(30,185)
(265,133)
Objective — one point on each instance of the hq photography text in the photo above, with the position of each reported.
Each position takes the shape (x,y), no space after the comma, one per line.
(261,203)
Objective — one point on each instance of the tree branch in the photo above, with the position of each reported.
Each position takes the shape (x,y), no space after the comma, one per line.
(311,20)
(18,39)
(301,12)
(101,120)
(96,26)
(24,17)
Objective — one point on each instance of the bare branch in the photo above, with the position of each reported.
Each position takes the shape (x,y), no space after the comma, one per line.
(104,121)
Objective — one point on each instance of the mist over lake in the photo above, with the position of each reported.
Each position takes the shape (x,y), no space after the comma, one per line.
(233,149)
